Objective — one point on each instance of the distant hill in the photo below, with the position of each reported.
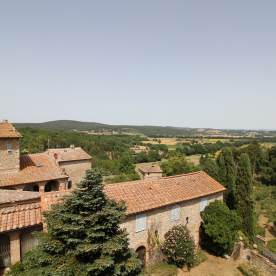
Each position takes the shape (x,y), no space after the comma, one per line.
(97,127)
(145,130)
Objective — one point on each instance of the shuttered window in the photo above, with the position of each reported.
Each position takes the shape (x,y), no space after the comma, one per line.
(203,204)
(27,242)
(141,222)
(175,212)
(9,148)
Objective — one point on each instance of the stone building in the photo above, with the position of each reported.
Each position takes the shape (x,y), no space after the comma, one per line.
(52,170)
(158,204)
(20,215)
(73,161)
(151,171)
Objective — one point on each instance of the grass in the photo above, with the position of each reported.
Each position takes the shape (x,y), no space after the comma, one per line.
(248,270)
(163,269)
(201,257)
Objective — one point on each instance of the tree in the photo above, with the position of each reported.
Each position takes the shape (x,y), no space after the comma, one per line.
(221,226)
(178,165)
(230,178)
(154,156)
(221,171)
(244,197)
(211,168)
(126,166)
(83,236)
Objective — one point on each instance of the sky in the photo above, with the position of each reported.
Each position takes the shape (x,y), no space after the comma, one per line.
(198,64)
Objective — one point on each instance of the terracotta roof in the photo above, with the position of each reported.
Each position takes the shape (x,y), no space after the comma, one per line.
(149,194)
(68,154)
(7,130)
(151,169)
(47,199)
(11,196)
(20,216)
(30,172)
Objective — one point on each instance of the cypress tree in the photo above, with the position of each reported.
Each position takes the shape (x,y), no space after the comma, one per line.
(230,178)
(222,171)
(245,205)
(83,236)
(211,168)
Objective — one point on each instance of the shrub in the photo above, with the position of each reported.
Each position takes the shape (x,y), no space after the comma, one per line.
(260,231)
(221,228)
(248,270)
(245,240)
(179,246)
(271,245)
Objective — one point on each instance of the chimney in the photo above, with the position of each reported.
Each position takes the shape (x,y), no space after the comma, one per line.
(72,147)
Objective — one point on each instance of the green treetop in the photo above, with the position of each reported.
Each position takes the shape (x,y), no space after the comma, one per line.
(211,168)
(230,178)
(245,206)
(83,236)
(222,171)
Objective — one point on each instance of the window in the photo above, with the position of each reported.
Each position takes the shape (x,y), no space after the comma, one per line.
(69,184)
(5,254)
(175,212)
(9,148)
(203,204)
(27,242)
(141,222)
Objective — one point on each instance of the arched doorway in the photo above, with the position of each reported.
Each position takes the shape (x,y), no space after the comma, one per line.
(201,234)
(5,253)
(51,186)
(141,251)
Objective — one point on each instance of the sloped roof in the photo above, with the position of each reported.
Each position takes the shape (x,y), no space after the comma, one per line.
(7,130)
(68,154)
(151,169)
(30,173)
(143,195)
(12,196)
(153,193)
(20,216)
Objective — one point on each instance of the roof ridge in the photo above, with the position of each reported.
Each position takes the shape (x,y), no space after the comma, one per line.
(154,179)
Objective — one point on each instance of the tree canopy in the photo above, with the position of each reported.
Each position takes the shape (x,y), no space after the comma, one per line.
(83,236)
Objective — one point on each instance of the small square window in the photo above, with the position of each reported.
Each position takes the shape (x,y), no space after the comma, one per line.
(175,212)
(141,222)
(9,148)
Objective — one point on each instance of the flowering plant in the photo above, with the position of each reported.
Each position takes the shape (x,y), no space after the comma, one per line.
(179,246)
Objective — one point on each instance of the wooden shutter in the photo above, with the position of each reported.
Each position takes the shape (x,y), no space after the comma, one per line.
(27,242)
(141,222)
(203,204)
(9,148)
(175,212)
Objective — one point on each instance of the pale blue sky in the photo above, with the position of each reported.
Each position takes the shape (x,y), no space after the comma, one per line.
(170,63)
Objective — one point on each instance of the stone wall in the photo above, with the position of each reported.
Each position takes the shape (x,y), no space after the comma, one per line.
(160,219)
(268,254)
(75,170)
(267,268)
(9,162)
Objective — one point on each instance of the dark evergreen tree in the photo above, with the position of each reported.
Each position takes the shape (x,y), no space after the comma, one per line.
(245,205)
(83,236)
(230,179)
(221,226)
(221,171)
(211,168)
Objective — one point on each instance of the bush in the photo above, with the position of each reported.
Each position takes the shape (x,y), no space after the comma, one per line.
(248,270)
(261,194)
(179,246)
(260,231)
(245,240)
(271,245)
(221,228)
